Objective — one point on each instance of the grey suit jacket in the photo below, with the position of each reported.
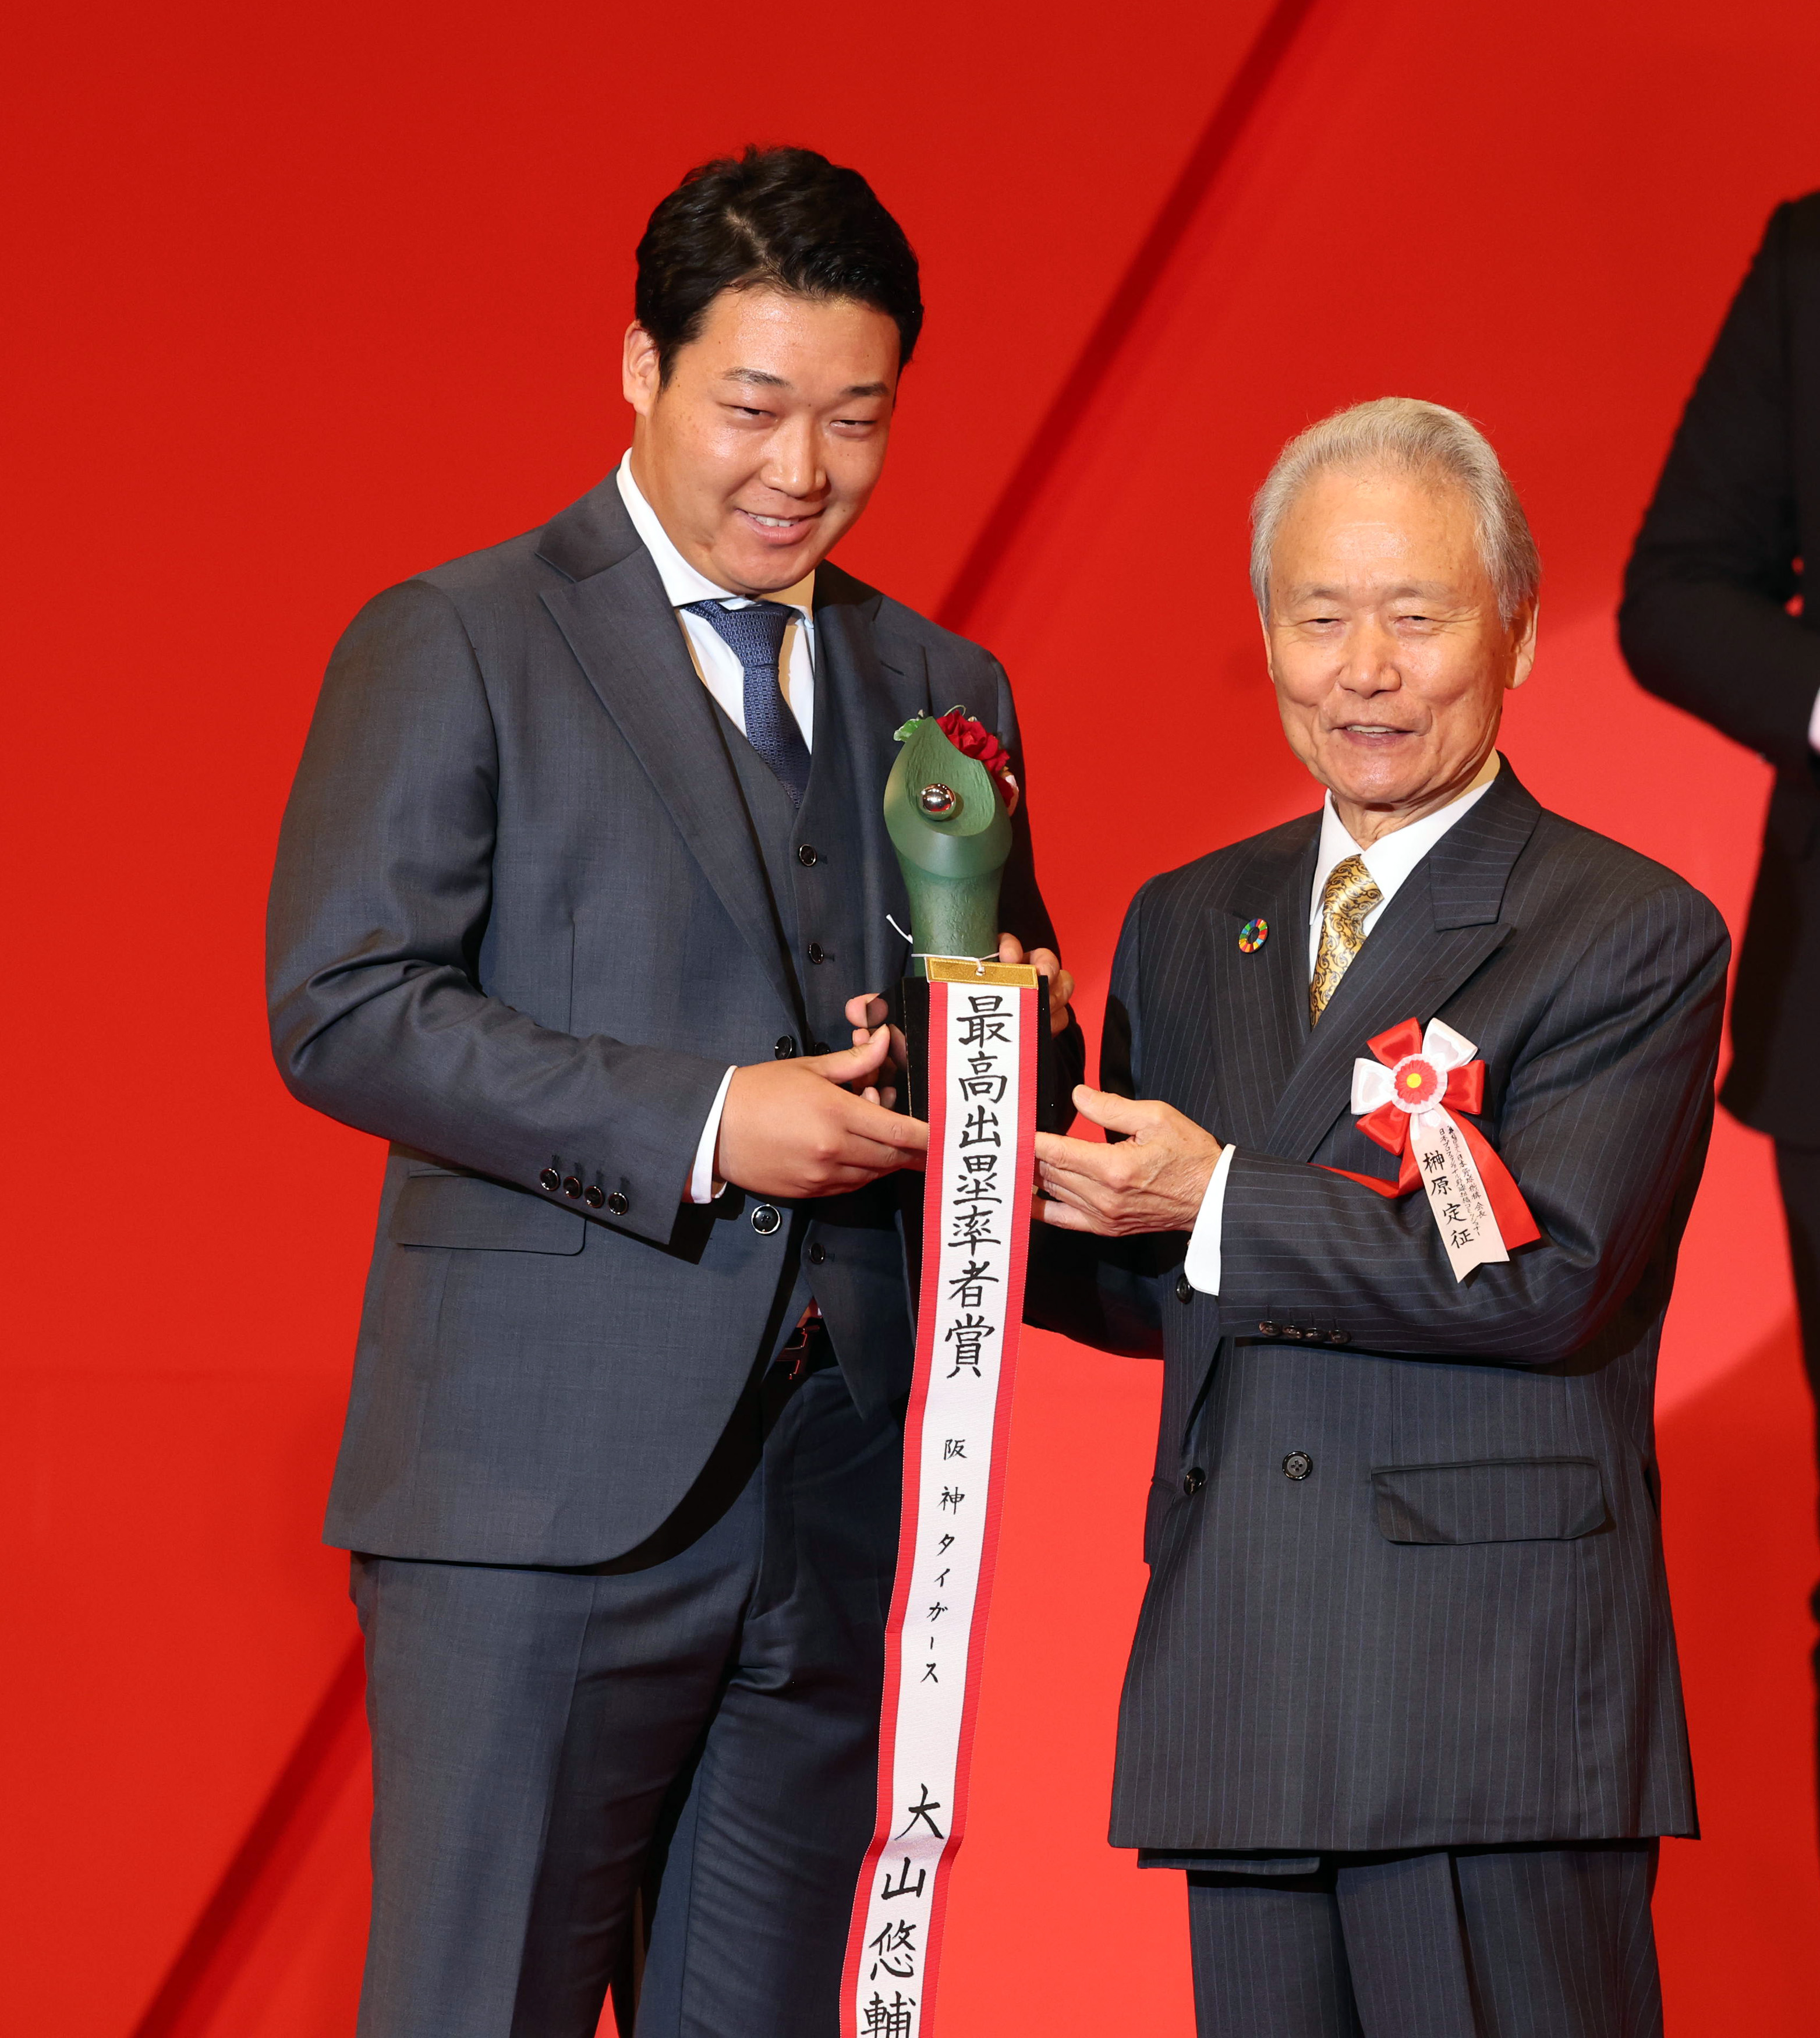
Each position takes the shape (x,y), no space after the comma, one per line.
(519,924)
(1455,1628)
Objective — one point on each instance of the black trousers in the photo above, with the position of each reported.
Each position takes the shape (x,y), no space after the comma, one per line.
(1798,1170)
(689,1732)
(1467,1942)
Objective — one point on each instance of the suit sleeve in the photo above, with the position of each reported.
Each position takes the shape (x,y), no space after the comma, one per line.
(1604,1121)
(1108,1292)
(1021,909)
(379,904)
(1704,620)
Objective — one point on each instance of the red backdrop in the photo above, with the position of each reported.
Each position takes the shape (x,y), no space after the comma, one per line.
(307,300)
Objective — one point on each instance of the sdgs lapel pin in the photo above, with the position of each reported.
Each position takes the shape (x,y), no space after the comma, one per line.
(1253,936)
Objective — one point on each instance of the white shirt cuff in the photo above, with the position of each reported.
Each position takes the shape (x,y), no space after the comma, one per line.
(1814,725)
(703,1187)
(1202,1267)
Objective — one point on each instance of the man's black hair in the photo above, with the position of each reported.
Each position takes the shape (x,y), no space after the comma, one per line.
(787,218)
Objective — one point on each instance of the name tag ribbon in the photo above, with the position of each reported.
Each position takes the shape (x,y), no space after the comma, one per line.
(1403,1097)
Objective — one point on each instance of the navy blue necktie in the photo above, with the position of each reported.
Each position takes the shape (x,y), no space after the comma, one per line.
(757,637)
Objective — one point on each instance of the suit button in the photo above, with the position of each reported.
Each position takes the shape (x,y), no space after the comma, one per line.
(1193,1479)
(1267,1330)
(786,1046)
(550,1180)
(816,1254)
(821,1046)
(1339,1337)
(808,855)
(1298,1464)
(594,1196)
(572,1185)
(817,952)
(1184,1289)
(619,1202)
(765,1219)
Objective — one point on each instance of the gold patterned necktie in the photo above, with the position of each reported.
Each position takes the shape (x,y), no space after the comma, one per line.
(1348,896)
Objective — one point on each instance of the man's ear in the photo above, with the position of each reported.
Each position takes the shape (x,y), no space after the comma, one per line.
(640,377)
(1525,658)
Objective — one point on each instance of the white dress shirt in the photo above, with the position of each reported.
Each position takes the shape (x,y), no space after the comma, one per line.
(1389,861)
(724,677)
(1814,725)
(715,658)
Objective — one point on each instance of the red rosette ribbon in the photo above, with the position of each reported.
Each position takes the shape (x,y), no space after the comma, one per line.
(1406,1098)
(973,739)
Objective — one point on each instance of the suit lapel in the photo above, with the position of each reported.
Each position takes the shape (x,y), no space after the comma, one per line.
(625,638)
(868,691)
(1440,927)
(1260,996)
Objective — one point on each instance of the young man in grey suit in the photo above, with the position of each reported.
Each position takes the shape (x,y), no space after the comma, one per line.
(1403,1699)
(584,860)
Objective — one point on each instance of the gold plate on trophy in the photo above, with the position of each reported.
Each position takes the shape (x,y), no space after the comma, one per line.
(966,969)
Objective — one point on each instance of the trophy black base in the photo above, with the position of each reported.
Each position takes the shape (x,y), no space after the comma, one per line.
(909,1016)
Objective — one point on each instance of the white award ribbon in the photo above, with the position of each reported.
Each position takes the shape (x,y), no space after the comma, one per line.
(982,1049)
(1417,1086)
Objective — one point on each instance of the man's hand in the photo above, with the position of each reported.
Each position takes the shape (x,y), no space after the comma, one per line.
(1046,963)
(1154,1180)
(794,1129)
(865,1013)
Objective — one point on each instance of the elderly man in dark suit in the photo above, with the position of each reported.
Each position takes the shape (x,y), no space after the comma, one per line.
(584,861)
(1403,1699)
(1727,546)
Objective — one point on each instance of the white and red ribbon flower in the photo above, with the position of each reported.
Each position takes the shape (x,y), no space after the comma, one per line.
(1407,1097)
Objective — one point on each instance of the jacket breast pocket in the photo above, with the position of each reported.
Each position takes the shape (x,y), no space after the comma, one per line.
(1490,1500)
(470,1213)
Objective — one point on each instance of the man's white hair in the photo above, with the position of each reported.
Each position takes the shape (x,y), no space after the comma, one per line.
(1406,435)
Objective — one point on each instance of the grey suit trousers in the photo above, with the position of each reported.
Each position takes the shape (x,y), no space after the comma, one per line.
(696,1722)
(1468,1942)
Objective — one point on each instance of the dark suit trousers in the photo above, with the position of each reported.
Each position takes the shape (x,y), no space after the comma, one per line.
(1798,1170)
(1470,1943)
(545,1742)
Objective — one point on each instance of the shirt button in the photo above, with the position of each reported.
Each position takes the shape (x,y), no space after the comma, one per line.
(594,1196)
(550,1180)
(817,952)
(1297,1465)
(1193,1479)
(765,1219)
(816,1254)
(619,1202)
(1184,1289)
(572,1185)
(785,1047)
(808,855)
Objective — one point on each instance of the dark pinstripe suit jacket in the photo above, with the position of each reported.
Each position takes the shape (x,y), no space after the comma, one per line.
(1456,1628)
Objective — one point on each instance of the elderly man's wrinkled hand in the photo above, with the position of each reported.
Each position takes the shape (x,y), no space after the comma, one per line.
(1155,1179)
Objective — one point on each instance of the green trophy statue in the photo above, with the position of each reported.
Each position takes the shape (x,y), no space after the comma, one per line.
(949,817)
(948,824)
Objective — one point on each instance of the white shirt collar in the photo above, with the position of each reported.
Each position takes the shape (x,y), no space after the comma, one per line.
(682,583)
(1392,856)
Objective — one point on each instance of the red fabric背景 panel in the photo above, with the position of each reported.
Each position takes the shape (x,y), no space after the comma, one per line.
(312,302)
(303,303)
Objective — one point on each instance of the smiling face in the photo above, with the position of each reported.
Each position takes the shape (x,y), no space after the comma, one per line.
(1389,660)
(767,442)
